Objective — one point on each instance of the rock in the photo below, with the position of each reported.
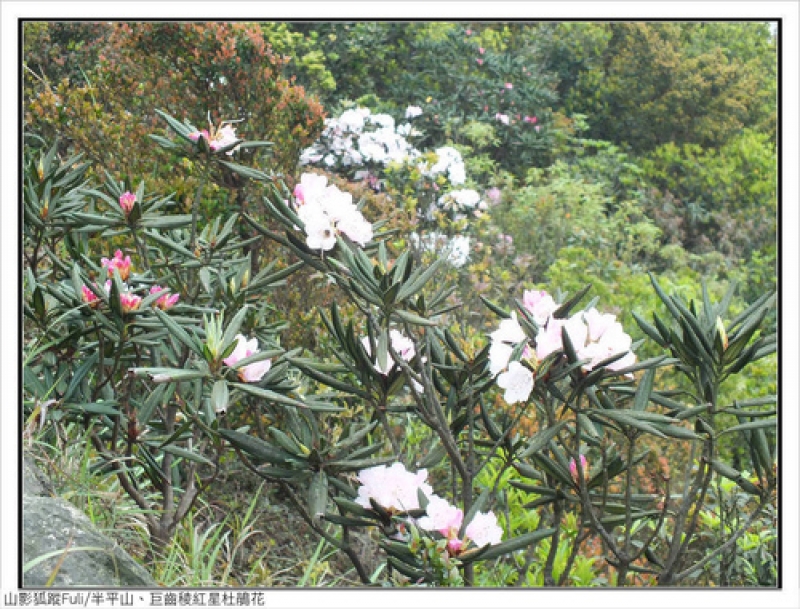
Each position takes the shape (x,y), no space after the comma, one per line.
(60,539)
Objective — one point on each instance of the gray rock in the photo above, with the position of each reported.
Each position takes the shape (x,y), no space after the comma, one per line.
(57,538)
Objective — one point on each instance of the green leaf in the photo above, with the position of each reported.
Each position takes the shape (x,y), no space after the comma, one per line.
(270,396)
(170,375)
(766,424)
(107,408)
(247,172)
(496,309)
(418,280)
(256,447)
(318,494)
(220,396)
(644,390)
(626,418)
(181,335)
(541,439)
(512,545)
(186,454)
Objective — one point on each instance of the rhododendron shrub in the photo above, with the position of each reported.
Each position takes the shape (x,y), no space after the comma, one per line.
(392,424)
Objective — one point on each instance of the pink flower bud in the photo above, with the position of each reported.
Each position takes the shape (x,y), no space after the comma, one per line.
(126,202)
(89,297)
(573,469)
(509,85)
(481,50)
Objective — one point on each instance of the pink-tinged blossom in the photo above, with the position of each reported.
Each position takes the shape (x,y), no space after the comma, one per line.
(598,323)
(481,50)
(217,139)
(441,517)
(480,61)
(127,201)
(483,530)
(614,341)
(509,85)
(224,138)
(167,301)
(122,264)
(517,382)
(393,488)
(573,468)
(539,304)
(129,302)
(196,135)
(494,194)
(503,118)
(89,297)
(530,119)
(469,32)
(251,373)
(537,128)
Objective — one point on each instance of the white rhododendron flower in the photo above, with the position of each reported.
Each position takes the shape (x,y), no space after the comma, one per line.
(413,111)
(326,212)
(499,356)
(393,488)
(509,331)
(484,530)
(518,383)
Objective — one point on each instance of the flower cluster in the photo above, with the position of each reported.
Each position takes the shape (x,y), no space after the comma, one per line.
(358,137)
(326,211)
(118,262)
(167,301)
(397,490)
(462,203)
(449,163)
(218,139)
(251,373)
(456,248)
(128,301)
(595,337)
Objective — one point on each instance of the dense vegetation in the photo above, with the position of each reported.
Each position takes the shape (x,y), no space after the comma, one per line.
(516,183)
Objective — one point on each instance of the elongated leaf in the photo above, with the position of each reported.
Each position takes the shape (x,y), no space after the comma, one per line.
(644,390)
(256,447)
(186,454)
(512,545)
(181,335)
(107,408)
(79,375)
(767,424)
(170,375)
(247,172)
(270,396)
(625,418)
(541,439)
